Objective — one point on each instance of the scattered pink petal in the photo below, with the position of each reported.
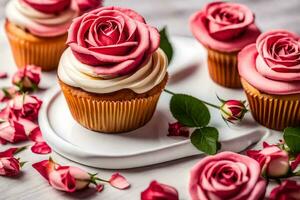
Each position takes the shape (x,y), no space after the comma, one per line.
(8,153)
(99,187)
(118,181)
(36,135)
(12,131)
(295,163)
(41,148)
(27,78)
(3,75)
(177,129)
(42,168)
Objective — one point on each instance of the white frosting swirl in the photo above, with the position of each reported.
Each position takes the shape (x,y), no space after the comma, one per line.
(76,74)
(38,23)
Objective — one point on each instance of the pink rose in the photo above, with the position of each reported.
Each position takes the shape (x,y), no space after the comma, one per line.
(273,161)
(288,190)
(227,176)
(112,40)
(25,106)
(64,178)
(9,165)
(279,55)
(159,191)
(226,21)
(86,5)
(233,110)
(48,6)
(27,78)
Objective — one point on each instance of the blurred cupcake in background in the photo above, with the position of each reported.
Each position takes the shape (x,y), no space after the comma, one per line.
(37,30)
(224,28)
(113,72)
(270,74)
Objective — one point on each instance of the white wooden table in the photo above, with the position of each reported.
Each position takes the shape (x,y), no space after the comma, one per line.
(174,13)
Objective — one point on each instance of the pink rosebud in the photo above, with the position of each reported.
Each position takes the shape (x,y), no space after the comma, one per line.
(87,5)
(99,187)
(233,111)
(288,190)
(227,175)
(118,181)
(25,106)
(274,162)
(159,191)
(3,75)
(27,78)
(10,166)
(64,178)
(177,129)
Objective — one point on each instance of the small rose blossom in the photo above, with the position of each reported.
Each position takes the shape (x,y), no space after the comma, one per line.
(27,78)
(288,190)
(177,129)
(233,110)
(25,106)
(64,178)
(9,165)
(227,175)
(159,191)
(118,181)
(274,162)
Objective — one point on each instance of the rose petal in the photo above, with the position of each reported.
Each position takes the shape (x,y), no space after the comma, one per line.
(3,75)
(99,187)
(8,153)
(42,168)
(41,148)
(118,181)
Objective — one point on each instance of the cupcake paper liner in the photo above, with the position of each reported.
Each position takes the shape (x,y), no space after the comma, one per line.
(110,116)
(29,49)
(223,69)
(273,111)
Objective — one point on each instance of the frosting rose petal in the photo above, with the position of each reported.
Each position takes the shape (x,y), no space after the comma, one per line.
(224,26)
(272,65)
(48,6)
(115,41)
(226,175)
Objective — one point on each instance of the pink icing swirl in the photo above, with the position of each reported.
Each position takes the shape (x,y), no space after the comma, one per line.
(112,40)
(48,6)
(273,64)
(227,176)
(224,26)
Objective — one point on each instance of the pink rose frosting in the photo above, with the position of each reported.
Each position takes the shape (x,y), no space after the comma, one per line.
(224,26)
(272,65)
(48,6)
(227,175)
(112,40)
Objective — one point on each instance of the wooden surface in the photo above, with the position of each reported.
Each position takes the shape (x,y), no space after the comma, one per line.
(174,13)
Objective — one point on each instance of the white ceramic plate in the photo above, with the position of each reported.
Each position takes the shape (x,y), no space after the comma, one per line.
(149,144)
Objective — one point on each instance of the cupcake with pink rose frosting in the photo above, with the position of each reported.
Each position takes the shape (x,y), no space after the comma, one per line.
(37,30)
(113,71)
(227,175)
(224,28)
(270,74)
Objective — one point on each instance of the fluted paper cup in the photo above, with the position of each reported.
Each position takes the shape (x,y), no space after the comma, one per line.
(29,49)
(223,69)
(273,111)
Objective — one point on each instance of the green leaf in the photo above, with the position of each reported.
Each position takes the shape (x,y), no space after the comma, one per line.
(165,43)
(189,110)
(292,139)
(206,140)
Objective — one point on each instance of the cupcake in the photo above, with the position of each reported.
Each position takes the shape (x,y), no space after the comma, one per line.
(224,29)
(270,74)
(113,72)
(37,30)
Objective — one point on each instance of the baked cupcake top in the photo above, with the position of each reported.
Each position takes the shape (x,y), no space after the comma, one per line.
(47,18)
(272,65)
(224,26)
(110,49)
